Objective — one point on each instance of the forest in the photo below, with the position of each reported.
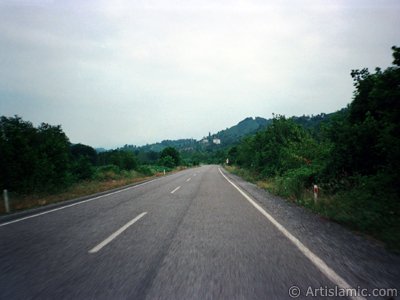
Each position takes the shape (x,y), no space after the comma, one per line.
(352,155)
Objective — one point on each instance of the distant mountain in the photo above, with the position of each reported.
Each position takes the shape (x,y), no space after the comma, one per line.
(232,135)
(181,144)
(227,137)
(100,150)
(248,126)
(245,127)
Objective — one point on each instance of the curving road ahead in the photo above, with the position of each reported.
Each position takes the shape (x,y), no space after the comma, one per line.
(196,234)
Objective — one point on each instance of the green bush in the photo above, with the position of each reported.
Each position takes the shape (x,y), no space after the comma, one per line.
(371,206)
(170,157)
(107,172)
(167,161)
(82,169)
(294,182)
(160,169)
(145,170)
(123,159)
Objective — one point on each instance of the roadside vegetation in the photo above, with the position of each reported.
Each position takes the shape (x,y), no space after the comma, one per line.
(39,165)
(354,157)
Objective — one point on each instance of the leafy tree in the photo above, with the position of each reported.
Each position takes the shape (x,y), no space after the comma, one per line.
(82,168)
(53,148)
(282,146)
(233,155)
(17,153)
(167,161)
(148,157)
(173,154)
(80,150)
(32,159)
(367,141)
(84,158)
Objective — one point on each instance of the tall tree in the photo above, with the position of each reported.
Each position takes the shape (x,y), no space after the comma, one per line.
(368,141)
(32,158)
(173,153)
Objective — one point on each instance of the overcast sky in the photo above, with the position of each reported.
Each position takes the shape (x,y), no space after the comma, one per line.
(136,72)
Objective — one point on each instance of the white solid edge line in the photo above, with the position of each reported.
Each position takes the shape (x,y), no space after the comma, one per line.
(318,262)
(115,234)
(76,203)
(175,190)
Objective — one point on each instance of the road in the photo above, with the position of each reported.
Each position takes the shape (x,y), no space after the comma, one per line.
(196,234)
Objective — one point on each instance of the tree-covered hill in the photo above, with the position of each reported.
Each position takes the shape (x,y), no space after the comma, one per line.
(235,133)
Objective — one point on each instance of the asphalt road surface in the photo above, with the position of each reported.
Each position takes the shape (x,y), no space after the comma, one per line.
(197,234)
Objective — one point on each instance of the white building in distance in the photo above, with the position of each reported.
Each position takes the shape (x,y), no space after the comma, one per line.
(217,141)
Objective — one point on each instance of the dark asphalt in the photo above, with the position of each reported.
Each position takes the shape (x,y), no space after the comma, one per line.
(204,241)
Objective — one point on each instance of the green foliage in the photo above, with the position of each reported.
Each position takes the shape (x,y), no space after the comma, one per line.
(17,148)
(170,157)
(33,159)
(145,170)
(167,161)
(148,157)
(371,205)
(82,168)
(245,127)
(294,182)
(80,150)
(181,144)
(84,158)
(286,152)
(43,160)
(281,147)
(124,160)
(160,169)
(367,140)
(107,172)
(366,155)
(396,56)
(316,125)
